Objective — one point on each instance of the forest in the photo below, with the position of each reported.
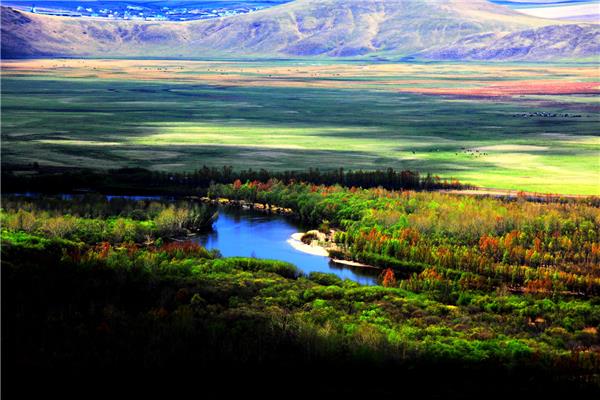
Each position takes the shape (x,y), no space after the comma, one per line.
(540,247)
(46,179)
(472,291)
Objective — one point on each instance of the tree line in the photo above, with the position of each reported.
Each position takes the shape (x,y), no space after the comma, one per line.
(139,180)
(463,242)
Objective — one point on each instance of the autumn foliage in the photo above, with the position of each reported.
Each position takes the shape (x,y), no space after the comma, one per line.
(389,279)
(515,243)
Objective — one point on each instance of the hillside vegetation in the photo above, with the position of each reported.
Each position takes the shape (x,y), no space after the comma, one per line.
(474,292)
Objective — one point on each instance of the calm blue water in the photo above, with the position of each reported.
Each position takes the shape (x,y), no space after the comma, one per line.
(253,234)
(240,233)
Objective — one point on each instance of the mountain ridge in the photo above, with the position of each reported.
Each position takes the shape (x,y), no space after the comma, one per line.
(430,29)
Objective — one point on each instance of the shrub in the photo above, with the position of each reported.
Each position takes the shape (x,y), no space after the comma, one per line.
(325,279)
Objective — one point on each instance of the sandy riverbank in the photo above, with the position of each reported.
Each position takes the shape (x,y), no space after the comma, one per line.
(296,242)
(352,263)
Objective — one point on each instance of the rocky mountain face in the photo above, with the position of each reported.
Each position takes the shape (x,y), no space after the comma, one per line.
(432,29)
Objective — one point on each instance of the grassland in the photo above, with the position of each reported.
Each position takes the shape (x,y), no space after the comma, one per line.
(455,120)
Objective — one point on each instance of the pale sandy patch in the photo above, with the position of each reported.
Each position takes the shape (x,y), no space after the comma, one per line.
(352,263)
(296,242)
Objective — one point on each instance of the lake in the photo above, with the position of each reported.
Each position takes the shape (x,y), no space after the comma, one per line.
(253,234)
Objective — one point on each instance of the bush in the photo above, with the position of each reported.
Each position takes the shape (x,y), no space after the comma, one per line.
(281,268)
(325,279)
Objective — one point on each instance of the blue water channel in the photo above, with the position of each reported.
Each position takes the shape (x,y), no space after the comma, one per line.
(254,234)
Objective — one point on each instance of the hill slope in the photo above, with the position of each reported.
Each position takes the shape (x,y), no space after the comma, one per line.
(434,28)
(545,43)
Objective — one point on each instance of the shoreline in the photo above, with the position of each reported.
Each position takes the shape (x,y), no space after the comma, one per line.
(295,240)
(245,205)
(353,263)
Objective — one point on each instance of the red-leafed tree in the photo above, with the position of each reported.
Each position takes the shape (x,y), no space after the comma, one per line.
(389,279)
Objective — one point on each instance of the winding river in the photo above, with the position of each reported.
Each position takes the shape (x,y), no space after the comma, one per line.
(247,233)
(254,234)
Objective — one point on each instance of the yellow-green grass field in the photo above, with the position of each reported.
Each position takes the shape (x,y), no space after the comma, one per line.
(177,116)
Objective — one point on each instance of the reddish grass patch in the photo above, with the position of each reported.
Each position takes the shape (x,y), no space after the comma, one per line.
(515,88)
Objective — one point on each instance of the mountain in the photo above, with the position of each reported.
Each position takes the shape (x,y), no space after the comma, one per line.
(546,43)
(434,29)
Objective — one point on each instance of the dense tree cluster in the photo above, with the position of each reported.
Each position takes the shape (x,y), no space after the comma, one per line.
(140,307)
(485,288)
(463,242)
(49,180)
(95,218)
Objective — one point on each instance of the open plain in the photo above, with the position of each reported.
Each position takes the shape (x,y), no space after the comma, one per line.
(531,127)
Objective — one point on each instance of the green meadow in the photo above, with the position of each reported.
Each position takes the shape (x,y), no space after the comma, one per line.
(170,125)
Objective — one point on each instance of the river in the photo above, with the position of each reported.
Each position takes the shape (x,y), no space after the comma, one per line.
(254,234)
(247,233)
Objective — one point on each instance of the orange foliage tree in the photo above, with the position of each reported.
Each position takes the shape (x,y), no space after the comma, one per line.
(389,279)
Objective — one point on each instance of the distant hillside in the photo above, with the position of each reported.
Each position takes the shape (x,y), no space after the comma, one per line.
(436,29)
(546,43)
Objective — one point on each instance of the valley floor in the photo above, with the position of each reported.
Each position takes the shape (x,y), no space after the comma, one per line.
(530,127)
